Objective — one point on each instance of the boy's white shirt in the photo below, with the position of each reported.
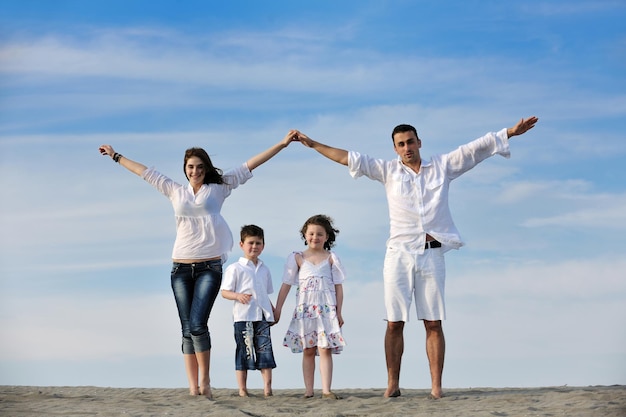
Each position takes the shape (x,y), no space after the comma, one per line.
(245,277)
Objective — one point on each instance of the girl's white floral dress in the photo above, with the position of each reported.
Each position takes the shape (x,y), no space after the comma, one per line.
(314,322)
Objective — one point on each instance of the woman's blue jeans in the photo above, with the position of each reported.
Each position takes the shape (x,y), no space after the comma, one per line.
(195,288)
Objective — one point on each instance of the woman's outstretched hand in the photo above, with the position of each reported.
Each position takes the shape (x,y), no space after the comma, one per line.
(291,136)
(106,150)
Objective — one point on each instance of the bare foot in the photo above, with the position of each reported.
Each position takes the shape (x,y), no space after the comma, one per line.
(268,393)
(435,396)
(392,393)
(243,393)
(206,391)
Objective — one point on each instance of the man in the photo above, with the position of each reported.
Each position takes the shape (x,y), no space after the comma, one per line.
(421,231)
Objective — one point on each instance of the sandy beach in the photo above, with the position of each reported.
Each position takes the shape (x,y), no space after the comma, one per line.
(21,401)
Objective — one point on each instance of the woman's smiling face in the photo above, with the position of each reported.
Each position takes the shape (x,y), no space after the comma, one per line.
(195,171)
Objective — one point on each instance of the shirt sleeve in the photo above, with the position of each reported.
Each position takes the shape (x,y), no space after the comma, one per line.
(235,177)
(290,274)
(467,156)
(163,184)
(270,286)
(363,165)
(337,270)
(229,280)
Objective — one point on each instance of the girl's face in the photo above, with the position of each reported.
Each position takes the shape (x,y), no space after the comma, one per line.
(194,168)
(315,236)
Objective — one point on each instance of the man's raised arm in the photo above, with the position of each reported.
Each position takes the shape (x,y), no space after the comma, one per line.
(335,154)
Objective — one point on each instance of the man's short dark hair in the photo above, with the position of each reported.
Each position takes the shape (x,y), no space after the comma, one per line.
(403,128)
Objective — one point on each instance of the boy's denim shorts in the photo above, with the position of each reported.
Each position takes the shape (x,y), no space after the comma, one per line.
(254,346)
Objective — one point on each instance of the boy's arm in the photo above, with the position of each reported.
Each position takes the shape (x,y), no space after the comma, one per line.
(236,296)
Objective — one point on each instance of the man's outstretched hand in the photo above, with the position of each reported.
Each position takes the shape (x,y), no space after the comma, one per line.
(522,126)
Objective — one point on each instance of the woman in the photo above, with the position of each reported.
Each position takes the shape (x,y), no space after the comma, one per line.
(203,240)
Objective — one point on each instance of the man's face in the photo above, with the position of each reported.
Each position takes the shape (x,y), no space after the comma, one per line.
(407,145)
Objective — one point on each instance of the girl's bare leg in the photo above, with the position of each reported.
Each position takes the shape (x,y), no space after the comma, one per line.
(308,370)
(326,369)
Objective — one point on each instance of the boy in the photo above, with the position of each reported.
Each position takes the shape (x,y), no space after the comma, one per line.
(248,283)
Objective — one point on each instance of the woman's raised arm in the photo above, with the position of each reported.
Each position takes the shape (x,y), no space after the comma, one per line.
(267,154)
(129,164)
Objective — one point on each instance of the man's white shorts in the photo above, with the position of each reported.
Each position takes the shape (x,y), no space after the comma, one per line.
(407,276)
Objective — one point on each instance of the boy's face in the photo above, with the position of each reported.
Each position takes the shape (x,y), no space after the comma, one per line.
(252,247)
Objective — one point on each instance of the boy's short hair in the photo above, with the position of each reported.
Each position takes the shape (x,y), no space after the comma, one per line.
(251,230)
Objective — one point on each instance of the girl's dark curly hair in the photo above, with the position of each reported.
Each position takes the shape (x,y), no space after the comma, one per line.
(327,223)
(212,174)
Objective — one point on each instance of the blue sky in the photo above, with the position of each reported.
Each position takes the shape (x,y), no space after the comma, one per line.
(535,298)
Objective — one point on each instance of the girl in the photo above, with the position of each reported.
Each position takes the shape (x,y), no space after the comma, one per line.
(315,327)
(203,240)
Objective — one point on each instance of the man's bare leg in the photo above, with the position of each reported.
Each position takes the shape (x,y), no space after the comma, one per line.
(435,349)
(394,348)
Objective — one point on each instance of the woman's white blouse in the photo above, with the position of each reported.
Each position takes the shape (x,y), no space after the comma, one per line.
(201,231)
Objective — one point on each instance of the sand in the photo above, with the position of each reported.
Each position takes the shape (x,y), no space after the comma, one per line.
(604,401)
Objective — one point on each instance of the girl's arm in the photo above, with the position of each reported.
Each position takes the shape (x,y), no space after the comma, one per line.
(339,295)
(282,296)
(129,164)
(266,155)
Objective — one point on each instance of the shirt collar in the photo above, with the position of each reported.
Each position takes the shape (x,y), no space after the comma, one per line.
(424,163)
(247,262)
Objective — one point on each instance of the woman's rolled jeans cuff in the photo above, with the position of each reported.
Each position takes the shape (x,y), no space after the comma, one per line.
(195,288)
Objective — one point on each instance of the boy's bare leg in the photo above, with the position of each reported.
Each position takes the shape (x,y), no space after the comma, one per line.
(267,381)
(242,382)
(394,348)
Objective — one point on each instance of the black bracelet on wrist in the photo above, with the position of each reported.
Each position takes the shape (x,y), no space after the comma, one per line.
(117,156)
